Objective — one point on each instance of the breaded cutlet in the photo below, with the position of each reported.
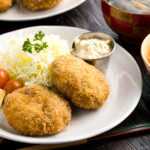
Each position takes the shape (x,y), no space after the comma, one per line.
(36,110)
(85,85)
(39,4)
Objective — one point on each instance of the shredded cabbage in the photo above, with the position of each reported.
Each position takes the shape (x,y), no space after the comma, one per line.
(32,68)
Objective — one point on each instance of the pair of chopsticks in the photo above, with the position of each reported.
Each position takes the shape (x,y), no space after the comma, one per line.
(112,133)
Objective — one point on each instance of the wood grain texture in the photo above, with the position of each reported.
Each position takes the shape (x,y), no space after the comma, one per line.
(89,16)
(55,146)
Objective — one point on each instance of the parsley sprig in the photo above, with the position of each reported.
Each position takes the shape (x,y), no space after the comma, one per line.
(28,46)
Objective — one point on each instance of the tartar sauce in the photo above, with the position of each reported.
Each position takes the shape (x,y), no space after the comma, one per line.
(92,48)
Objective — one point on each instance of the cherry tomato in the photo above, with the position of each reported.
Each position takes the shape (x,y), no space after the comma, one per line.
(12,85)
(4,77)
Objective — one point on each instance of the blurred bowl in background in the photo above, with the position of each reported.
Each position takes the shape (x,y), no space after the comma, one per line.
(132,27)
(145,52)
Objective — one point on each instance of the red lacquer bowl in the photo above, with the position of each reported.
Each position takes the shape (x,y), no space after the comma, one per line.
(132,27)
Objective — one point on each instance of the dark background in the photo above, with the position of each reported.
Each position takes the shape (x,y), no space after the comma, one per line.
(89,16)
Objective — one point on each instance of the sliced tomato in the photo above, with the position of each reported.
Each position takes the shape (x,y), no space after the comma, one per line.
(12,85)
(4,77)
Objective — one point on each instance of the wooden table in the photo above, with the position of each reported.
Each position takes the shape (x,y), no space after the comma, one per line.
(89,16)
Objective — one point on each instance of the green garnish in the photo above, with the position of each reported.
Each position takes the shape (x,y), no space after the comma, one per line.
(28,46)
(39,36)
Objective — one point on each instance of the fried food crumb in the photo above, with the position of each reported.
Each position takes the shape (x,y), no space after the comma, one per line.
(82,83)
(35,110)
(5,4)
(39,4)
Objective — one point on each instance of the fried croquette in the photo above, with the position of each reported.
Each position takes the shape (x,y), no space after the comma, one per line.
(5,4)
(82,83)
(39,4)
(35,111)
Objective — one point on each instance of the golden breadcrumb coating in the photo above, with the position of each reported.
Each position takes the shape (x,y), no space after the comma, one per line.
(82,83)
(39,4)
(5,4)
(35,110)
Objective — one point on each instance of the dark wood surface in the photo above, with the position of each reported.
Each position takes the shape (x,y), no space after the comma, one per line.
(89,16)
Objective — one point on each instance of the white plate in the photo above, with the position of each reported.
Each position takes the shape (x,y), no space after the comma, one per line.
(125,81)
(17,13)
